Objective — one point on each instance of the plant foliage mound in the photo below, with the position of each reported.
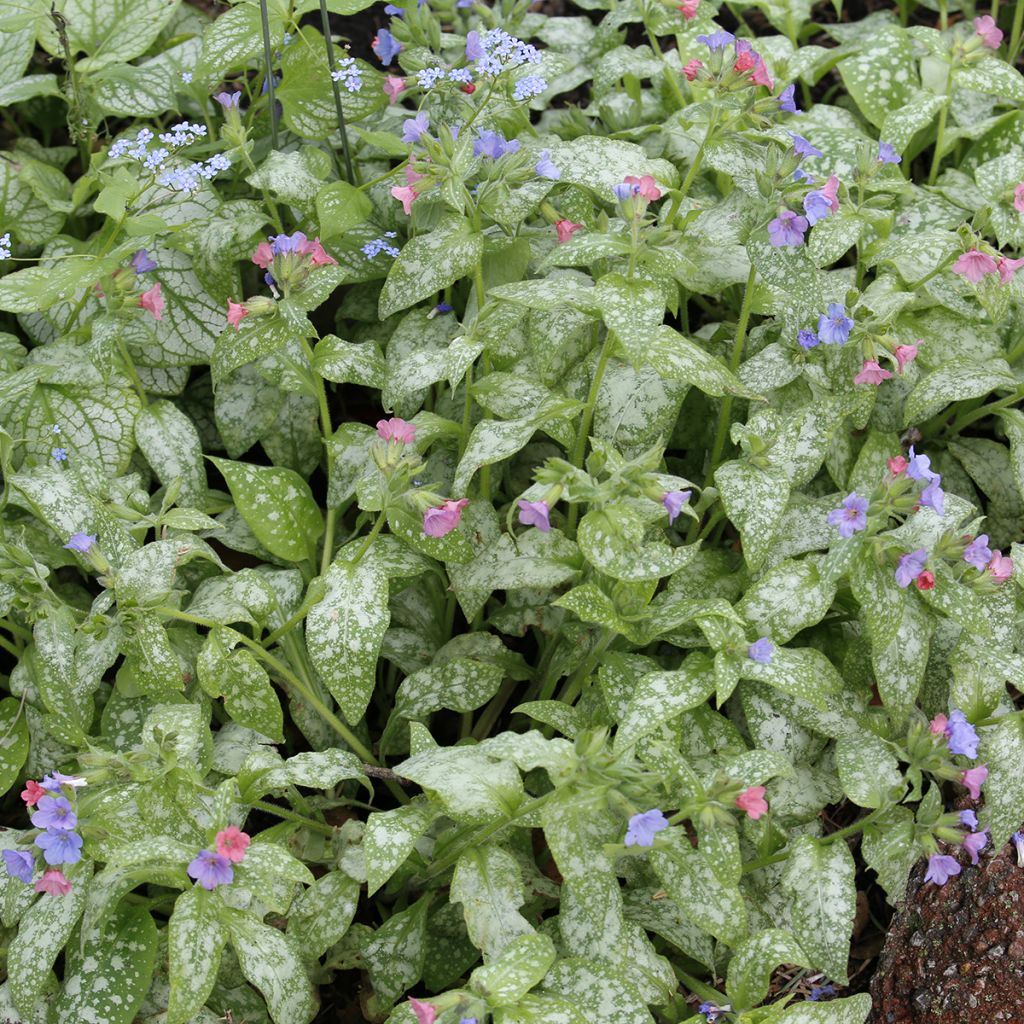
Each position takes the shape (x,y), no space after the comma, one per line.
(507,516)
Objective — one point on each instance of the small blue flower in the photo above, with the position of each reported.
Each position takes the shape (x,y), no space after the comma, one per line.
(462,76)
(531,85)
(834,326)
(186,77)
(623,191)
(429,77)
(817,991)
(59,454)
(81,542)
(415,127)
(20,864)
(888,155)
(717,40)
(801,175)
(60,846)
(963,737)
(919,467)
(816,206)
(934,497)
(969,819)
(802,147)
(386,46)
(807,339)
(546,168)
(493,145)
(643,828)
(761,651)
(787,101)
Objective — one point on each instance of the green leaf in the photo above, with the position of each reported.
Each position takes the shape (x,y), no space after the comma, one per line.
(345,630)
(314,769)
(597,163)
(801,672)
(489,885)
(341,207)
(678,358)
(822,902)
(1003,751)
(430,263)
(876,74)
(604,989)
(868,769)
(853,1010)
(195,941)
(889,847)
(321,916)
(346,363)
(788,598)
(244,684)
(43,930)
(517,968)
(953,382)
(753,962)
(107,974)
(391,836)
(278,507)
(660,697)
(254,338)
(234,38)
(754,499)
(170,442)
(271,962)
(14,743)
(992,77)
(394,953)
(612,540)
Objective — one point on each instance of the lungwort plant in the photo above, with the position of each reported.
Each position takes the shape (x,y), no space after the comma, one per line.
(506,517)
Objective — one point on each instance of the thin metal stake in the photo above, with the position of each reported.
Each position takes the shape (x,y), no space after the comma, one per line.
(350,176)
(269,61)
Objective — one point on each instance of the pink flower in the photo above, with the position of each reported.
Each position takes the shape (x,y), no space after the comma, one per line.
(396,429)
(830,190)
(534,513)
(1000,567)
(744,61)
(393,85)
(315,251)
(871,373)
(897,465)
(905,355)
(974,265)
(1007,268)
(232,843)
(236,312)
(691,69)
(53,882)
(974,843)
(1018,198)
(263,256)
(648,189)
(688,9)
(411,177)
(153,302)
(991,34)
(925,580)
(566,229)
(760,75)
(426,1013)
(437,522)
(32,793)
(406,195)
(753,802)
(938,725)
(974,779)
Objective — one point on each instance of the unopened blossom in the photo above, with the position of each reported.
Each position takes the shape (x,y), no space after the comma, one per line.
(834,325)
(910,566)
(978,553)
(1000,568)
(228,100)
(888,155)
(81,542)
(941,868)
(802,147)
(211,869)
(396,429)
(745,58)
(153,302)
(53,883)
(938,725)
(393,86)
(440,521)
(644,186)
(426,1013)
(674,502)
(852,517)
(830,190)
(20,864)
(688,9)
(752,801)
(546,167)
(897,465)
(787,100)
(406,195)
(974,265)
(925,581)
(385,46)
(232,843)
(33,792)
(415,127)
(788,228)
(54,812)
(52,782)
(816,206)
(905,355)
(623,192)
(534,513)
(974,779)
(1018,198)
(760,76)
(974,844)
(644,827)
(761,651)
(1018,843)
(236,313)
(1007,268)
(807,339)
(60,846)
(565,229)
(691,68)
(991,34)
(871,373)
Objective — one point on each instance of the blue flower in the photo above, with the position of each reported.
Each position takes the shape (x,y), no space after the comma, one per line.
(802,147)
(546,168)
(54,812)
(807,339)
(963,738)
(531,85)
(386,46)
(60,846)
(429,77)
(81,542)
(20,864)
(59,454)
(888,155)
(978,553)
(934,497)
(493,145)
(787,101)
(802,176)
(415,127)
(910,566)
(461,75)
(816,206)
(817,991)
(834,326)
(788,228)
(717,40)
(761,651)
(474,46)
(920,467)
(141,261)
(969,819)
(852,517)
(643,828)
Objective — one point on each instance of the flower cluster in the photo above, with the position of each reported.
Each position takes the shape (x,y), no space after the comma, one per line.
(5,246)
(497,51)
(974,265)
(288,259)
(747,67)
(56,841)
(211,868)
(348,73)
(183,178)
(378,245)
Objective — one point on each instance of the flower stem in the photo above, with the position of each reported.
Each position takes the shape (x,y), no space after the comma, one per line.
(349,171)
(941,130)
(724,413)
(580,448)
(691,174)
(981,412)
(1015,32)
(378,524)
(280,812)
(269,61)
(670,73)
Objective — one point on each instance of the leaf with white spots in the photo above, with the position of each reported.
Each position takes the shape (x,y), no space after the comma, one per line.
(321,915)
(271,961)
(597,163)
(754,499)
(391,836)
(612,539)
(14,741)
(992,77)
(853,1010)
(676,357)
(822,901)
(313,769)
(868,769)
(244,684)
(890,849)
(953,382)
(170,442)
(753,962)
(347,363)
(195,941)
(278,507)
(518,967)
(606,991)
(488,883)
(233,39)
(430,263)
(394,952)
(878,73)
(1003,751)
(801,672)
(790,597)
(345,630)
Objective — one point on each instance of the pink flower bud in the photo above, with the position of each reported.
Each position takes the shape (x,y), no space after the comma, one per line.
(938,725)
(753,802)
(897,465)
(566,229)
(153,302)
(905,355)
(437,522)
(688,9)
(53,882)
(691,69)
(396,429)
(236,312)
(426,1013)
(406,195)
(830,190)
(263,256)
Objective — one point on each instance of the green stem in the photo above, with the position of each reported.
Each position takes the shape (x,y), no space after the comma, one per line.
(722,430)
(280,812)
(574,683)
(943,15)
(985,410)
(321,395)
(328,552)
(378,524)
(349,172)
(9,647)
(941,131)
(268,60)
(490,714)
(271,206)
(18,631)
(129,368)
(691,174)
(1015,32)
(580,448)
(1018,350)
(670,73)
